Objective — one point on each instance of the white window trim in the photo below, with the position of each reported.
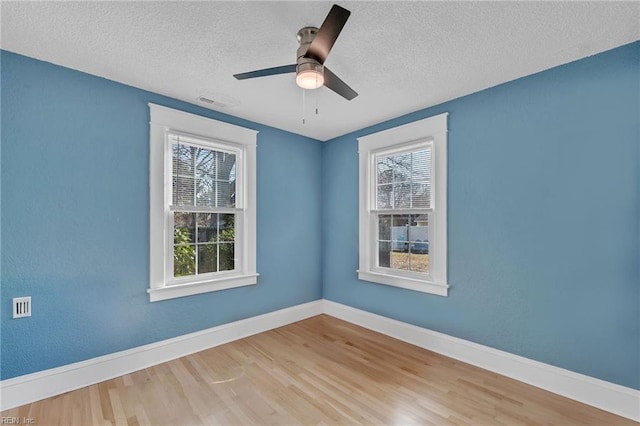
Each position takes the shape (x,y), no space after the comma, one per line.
(432,129)
(165,120)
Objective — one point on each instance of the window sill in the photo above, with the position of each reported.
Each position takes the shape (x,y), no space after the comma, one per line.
(191,288)
(423,286)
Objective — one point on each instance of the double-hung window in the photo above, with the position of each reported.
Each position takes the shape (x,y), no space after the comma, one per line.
(403,206)
(202,204)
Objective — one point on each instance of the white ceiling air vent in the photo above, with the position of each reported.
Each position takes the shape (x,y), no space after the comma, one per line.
(211,102)
(213,99)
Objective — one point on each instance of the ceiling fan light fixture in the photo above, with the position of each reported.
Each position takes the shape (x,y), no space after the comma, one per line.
(310,76)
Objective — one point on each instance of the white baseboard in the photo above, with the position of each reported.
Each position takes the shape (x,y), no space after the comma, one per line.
(607,396)
(44,384)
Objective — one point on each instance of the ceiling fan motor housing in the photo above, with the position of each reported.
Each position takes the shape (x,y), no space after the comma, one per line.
(305,37)
(309,72)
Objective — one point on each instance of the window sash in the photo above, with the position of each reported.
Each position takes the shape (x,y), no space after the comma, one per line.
(209,144)
(405,148)
(374,242)
(237,243)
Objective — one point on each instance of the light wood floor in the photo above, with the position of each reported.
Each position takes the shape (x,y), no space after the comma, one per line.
(318,371)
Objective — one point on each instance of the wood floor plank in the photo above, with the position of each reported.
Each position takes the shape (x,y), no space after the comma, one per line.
(320,371)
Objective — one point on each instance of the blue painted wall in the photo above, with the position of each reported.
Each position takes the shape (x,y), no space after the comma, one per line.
(75,221)
(544,211)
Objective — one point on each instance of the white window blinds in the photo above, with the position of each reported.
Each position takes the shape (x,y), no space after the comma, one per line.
(202,177)
(403,180)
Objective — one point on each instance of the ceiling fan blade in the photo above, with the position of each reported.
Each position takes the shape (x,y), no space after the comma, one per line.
(340,87)
(327,34)
(266,72)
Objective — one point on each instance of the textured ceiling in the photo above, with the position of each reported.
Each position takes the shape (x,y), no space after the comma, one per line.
(399,56)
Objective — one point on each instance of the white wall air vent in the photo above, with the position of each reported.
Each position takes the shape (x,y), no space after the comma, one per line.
(21,307)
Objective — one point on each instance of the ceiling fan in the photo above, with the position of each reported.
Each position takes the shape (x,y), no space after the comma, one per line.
(315,45)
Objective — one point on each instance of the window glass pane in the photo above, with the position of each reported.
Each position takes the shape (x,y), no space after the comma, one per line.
(400,260)
(399,236)
(183,190)
(184,260)
(207,258)
(205,192)
(384,227)
(419,243)
(421,165)
(401,164)
(226,180)
(418,229)
(184,229)
(183,177)
(421,195)
(385,195)
(207,227)
(385,170)
(205,163)
(184,256)
(227,256)
(225,193)
(226,225)
(419,262)
(384,254)
(402,196)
